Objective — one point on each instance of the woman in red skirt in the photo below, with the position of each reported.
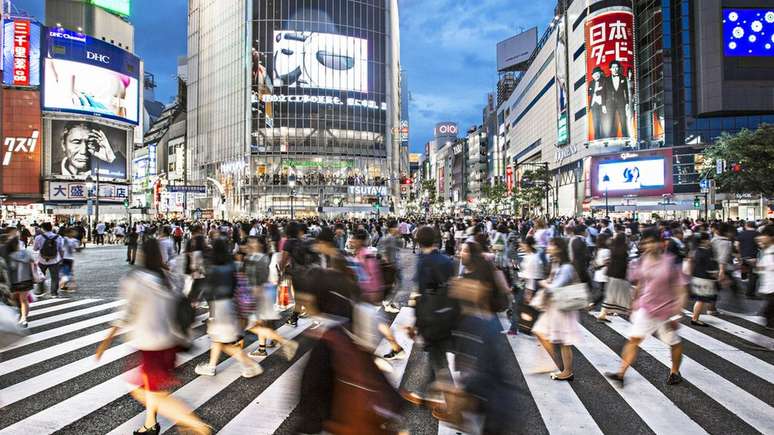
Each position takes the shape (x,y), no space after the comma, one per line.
(151,308)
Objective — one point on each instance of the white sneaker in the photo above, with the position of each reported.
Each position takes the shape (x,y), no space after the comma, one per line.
(205,369)
(392,309)
(251,371)
(289,349)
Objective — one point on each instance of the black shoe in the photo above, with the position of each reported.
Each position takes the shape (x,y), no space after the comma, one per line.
(698,323)
(399,354)
(674,379)
(154,430)
(615,377)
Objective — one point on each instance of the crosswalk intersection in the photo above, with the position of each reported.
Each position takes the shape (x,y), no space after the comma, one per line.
(50,381)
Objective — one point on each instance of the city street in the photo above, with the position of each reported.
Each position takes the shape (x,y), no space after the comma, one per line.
(50,381)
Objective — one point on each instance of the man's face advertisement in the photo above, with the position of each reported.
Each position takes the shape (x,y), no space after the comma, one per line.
(83,148)
(76,145)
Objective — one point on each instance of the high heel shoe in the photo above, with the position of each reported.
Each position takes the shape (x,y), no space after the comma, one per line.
(555,376)
(153,430)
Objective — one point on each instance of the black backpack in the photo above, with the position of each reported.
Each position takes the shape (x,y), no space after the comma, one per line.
(436,312)
(50,248)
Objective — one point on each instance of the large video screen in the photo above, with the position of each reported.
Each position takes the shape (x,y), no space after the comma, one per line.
(631,175)
(748,32)
(80,149)
(320,60)
(88,76)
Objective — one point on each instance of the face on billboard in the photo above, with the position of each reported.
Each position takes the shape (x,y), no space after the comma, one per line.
(320,60)
(80,149)
(631,175)
(748,32)
(610,76)
(81,88)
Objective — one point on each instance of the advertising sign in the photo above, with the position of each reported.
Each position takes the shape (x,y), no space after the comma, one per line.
(320,60)
(446,129)
(78,191)
(516,49)
(20,153)
(120,7)
(81,148)
(88,76)
(610,76)
(562,90)
(748,32)
(21,52)
(644,174)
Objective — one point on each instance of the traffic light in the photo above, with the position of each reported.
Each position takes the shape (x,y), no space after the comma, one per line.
(736,168)
(697,202)
(126,203)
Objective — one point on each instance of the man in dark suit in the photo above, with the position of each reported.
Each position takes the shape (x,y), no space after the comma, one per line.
(596,103)
(616,101)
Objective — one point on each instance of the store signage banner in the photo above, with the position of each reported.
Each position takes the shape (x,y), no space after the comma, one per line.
(610,76)
(368,190)
(21,52)
(20,154)
(79,191)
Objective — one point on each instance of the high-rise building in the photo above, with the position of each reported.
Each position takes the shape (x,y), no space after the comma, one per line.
(295,107)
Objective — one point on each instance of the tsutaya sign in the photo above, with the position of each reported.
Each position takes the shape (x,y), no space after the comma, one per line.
(324,99)
(368,190)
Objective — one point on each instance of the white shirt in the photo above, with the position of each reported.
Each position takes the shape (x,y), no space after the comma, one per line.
(602,258)
(765,270)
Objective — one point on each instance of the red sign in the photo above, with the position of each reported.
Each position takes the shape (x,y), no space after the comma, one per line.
(21,51)
(20,155)
(509,178)
(610,76)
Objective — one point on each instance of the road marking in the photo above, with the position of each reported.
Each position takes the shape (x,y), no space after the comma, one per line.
(656,410)
(197,392)
(75,303)
(43,302)
(404,318)
(760,320)
(49,379)
(266,413)
(560,407)
(729,353)
(84,403)
(76,313)
(62,330)
(748,407)
(739,331)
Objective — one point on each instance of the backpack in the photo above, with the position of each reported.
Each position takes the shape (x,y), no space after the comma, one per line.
(436,312)
(50,248)
(178,232)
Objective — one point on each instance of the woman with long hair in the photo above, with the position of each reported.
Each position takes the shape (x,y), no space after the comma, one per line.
(556,326)
(618,291)
(150,312)
(223,326)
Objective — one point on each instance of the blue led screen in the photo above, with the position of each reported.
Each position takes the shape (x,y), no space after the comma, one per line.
(748,32)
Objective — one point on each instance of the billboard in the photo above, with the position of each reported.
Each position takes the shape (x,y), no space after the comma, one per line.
(80,149)
(610,76)
(320,60)
(446,129)
(562,90)
(748,32)
(645,174)
(20,153)
(88,76)
(78,191)
(120,7)
(21,52)
(516,49)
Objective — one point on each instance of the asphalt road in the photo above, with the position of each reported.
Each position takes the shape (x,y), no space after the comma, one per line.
(50,382)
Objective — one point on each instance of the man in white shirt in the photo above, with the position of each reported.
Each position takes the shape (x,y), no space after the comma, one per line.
(50,249)
(101,233)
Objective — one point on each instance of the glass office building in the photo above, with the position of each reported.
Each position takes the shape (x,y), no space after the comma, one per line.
(308,92)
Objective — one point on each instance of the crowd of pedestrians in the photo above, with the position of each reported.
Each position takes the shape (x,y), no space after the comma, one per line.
(473,279)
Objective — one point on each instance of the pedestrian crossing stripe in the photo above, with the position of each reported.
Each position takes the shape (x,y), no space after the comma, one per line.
(562,407)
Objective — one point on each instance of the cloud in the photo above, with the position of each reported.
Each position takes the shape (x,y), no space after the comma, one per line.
(448,49)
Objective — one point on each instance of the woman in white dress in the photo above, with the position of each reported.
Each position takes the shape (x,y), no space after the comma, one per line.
(556,326)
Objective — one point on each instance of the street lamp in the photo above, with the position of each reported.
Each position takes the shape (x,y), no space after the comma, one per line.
(89,187)
(292,185)
(606,183)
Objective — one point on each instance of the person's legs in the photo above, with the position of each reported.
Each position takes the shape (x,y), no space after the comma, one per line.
(698,307)
(566,362)
(629,354)
(54,272)
(677,357)
(177,411)
(41,286)
(768,311)
(24,306)
(215,353)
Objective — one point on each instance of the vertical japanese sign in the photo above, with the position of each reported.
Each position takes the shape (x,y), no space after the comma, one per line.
(610,76)
(509,178)
(562,90)
(21,52)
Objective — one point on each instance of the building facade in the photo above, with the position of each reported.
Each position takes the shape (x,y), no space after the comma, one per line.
(311,123)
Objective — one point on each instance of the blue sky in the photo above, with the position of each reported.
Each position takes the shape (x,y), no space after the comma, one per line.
(447,50)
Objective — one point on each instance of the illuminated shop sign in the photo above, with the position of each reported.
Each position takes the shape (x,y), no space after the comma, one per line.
(368,190)
(21,52)
(324,100)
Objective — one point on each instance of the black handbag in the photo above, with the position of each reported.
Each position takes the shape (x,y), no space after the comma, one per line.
(528,315)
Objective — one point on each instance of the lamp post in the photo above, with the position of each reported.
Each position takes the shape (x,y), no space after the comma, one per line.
(606,183)
(292,185)
(89,187)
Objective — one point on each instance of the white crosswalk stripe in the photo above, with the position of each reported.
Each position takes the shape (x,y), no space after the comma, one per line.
(29,376)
